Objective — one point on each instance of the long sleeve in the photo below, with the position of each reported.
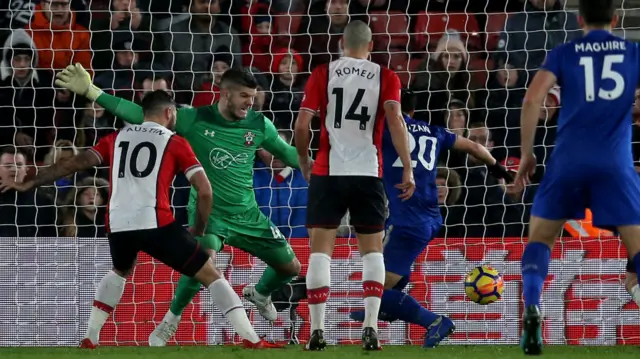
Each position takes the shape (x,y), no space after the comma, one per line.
(123,109)
(278,147)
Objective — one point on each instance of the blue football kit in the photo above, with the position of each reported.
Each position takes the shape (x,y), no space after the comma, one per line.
(413,223)
(592,163)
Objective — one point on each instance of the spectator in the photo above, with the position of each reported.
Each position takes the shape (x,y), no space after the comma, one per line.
(18,14)
(449,191)
(123,18)
(26,96)
(83,211)
(191,43)
(456,119)
(520,198)
(60,40)
(485,205)
(319,38)
(210,91)
(62,150)
(281,193)
(545,138)
(93,124)
(287,87)
(530,34)
(258,47)
(443,77)
(23,214)
(121,77)
(150,81)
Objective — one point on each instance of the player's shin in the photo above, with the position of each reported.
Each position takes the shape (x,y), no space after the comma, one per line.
(318,283)
(107,297)
(373,286)
(271,281)
(535,266)
(226,299)
(186,290)
(402,306)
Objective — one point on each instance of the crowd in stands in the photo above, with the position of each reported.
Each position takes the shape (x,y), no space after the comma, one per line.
(469,63)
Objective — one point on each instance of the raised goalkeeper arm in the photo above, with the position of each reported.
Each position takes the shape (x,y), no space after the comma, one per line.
(278,147)
(77,80)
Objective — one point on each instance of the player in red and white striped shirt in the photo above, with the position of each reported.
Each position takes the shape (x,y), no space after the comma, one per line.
(352,96)
(144,159)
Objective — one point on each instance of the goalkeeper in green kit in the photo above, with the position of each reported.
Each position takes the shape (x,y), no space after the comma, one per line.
(225,138)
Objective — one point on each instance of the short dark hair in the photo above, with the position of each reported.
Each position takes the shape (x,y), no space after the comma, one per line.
(155,101)
(238,78)
(11,150)
(597,12)
(407,101)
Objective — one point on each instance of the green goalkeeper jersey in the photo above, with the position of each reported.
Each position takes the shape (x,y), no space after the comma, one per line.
(226,149)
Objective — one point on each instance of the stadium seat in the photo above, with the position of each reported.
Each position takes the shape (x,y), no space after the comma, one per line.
(399,62)
(430,26)
(493,28)
(390,29)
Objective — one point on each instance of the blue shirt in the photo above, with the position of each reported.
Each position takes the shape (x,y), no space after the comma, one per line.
(425,143)
(598,75)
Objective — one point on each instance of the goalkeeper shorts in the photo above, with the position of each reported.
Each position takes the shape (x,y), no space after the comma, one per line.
(172,245)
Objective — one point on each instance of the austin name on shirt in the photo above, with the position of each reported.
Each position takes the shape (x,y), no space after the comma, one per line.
(601,46)
(157,131)
(353,71)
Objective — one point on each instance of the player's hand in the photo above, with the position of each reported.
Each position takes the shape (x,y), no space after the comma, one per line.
(196,232)
(526,170)
(77,80)
(9,184)
(500,172)
(306,165)
(408,185)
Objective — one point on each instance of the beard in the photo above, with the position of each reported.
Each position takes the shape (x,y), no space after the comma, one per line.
(232,109)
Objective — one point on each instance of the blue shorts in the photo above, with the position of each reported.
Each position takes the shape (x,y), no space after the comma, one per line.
(613,198)
(404,244)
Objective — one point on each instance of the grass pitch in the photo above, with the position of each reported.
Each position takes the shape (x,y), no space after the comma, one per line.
(332,352)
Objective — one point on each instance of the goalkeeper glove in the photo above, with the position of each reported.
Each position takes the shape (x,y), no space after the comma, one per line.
(77,80)
(498,171)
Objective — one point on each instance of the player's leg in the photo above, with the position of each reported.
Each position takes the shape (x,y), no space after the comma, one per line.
(631,282)
(401,249)
(254,233)
(615,203)
(187,289)
(325,210)
(123,248)
(559,197)
(367,207)
(175,247)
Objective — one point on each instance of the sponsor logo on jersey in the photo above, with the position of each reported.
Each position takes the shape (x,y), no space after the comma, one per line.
(209,133)
(248,138)
(221,159)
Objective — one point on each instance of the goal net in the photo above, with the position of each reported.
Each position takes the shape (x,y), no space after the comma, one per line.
(469,63)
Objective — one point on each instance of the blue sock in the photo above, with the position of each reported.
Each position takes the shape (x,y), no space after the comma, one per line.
(535,266)
(404,307)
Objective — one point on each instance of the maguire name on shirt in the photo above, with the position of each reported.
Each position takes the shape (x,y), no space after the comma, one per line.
(601,46)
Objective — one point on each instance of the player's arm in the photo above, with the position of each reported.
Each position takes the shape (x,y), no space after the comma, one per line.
(84,160)
(395,120)
(187,162)
(481,153)
(76,79)
(309,107)
(278,147)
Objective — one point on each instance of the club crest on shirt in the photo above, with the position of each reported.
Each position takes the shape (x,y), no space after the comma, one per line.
(248,138)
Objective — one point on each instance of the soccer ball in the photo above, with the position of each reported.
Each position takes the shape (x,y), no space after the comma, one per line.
(484,285)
